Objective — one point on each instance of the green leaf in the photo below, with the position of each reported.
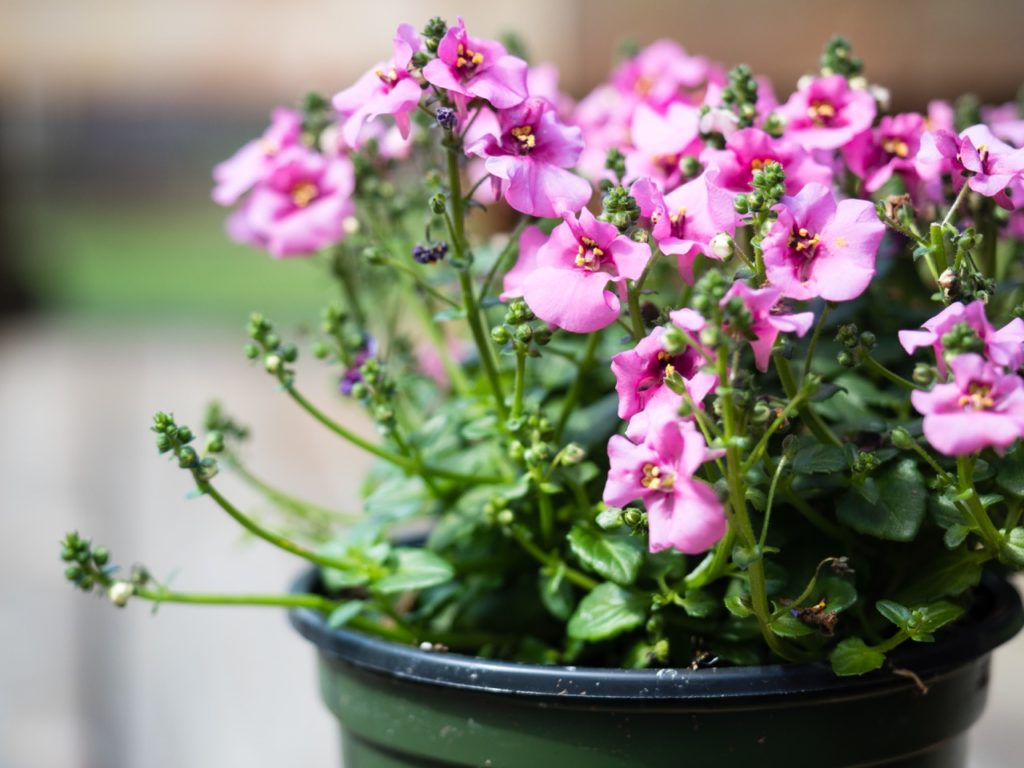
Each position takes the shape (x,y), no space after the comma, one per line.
(615,557)
(608,610)
(900,509)
(744,557)
(787,625)
(1010,472)
(854,657)
(1012,550)
(819,458)
(930,618)
(698,603)
(840,594)
(398,497)
(737,606)
(898,614)
(556,594)
(609,519)
(344,613)
(947,576)
(416,569)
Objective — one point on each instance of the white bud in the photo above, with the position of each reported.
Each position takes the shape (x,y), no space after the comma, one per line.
(350,225)
(882,96)
(859,83)
(119,592)
(722,246)
(272,363)
(804,82)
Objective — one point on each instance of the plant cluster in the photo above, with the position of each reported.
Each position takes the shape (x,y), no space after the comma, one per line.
(679,375)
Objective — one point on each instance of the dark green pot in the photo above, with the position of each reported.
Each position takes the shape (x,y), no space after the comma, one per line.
(402,706)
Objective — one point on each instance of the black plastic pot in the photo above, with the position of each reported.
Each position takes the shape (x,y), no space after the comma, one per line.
(402,706)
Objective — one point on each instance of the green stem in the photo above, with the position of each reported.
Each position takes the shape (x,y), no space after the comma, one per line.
(343,271)
(440,342)
(876,367)
(520,381)
(814,339)
(807,415)
(305,509)
(635,319)
(551,560)
(577,385)
(952,209)
(512,246)
(259,531)
(762,444)
(714,565)
(771,499)
(402,462)
(987,529)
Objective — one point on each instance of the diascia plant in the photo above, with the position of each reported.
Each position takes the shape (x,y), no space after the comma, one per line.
(679,374)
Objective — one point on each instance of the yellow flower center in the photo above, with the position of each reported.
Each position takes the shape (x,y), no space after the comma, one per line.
(656,479)
(978,397)
(588,255)
(468,58)
(304,193)
(524,135)
(801,241)
(758,163)
(896,146)
(388,78)
(821,112)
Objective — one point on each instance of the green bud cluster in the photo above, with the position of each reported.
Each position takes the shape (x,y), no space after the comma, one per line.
(740,95)
(432,33)
(619,208)
(769,185)
(961,339)
(838,59)
(174,439)
(615,162)
(517,329)
(267,345)
(317,116)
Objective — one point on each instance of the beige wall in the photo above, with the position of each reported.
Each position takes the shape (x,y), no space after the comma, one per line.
(70,54)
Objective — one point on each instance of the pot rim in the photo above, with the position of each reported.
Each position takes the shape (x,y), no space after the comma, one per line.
(997,616)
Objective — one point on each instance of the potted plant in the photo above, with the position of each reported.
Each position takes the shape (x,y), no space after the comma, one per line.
(698,412)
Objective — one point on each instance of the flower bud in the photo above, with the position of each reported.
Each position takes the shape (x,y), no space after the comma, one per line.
(272,363)
(500,334)
(119,592)
(438,203)
(901,439)
(447,118)
(722,246)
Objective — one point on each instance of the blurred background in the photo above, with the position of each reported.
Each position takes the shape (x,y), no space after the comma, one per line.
(119,295)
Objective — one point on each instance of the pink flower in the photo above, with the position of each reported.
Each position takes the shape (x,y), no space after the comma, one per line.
(387,89)
(684,221)
(640,375)
(528,156)
(890,148)
(747,151)
(988,164)
(1006,122)
(661,73)
(982,406)
(683,513)
(469,67)
(766,325)
(826,113)
(251,164)
(819,248)
(1004,347)
(661,142)
(530,242)
(568,286)
(299,207)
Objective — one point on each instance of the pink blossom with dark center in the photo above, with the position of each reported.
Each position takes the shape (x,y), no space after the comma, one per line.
(387,89)
(300,207)
(747,151)
(683,512)
(662,73)
(766,322)
(976,157)
(817,247)
(251,164)
(1004,347)
(640,375)
(826,113)
(661,141)
(891,147)
(470,67)
(528,157)
(684,221)
(568,286)
(983,406)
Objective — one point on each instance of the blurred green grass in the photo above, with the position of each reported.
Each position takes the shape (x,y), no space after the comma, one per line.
(155,262)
